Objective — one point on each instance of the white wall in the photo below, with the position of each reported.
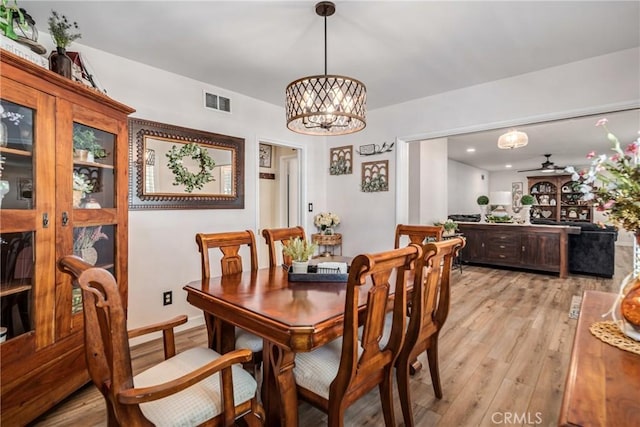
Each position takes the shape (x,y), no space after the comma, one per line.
(426,171)
(464,184)
(593,85)
(433,176)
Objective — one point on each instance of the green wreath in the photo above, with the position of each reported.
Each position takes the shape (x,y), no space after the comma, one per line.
(182,175)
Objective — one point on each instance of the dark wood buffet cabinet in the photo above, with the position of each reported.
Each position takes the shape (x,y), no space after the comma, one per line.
(56,203)
(531,247)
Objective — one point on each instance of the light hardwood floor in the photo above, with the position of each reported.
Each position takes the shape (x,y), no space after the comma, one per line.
(504,353)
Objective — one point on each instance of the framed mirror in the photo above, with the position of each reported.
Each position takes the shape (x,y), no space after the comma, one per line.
(172,167)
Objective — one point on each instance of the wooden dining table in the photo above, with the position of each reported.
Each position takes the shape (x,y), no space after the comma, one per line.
(291,317)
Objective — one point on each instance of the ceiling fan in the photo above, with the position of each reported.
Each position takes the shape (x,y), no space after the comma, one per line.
(547,166)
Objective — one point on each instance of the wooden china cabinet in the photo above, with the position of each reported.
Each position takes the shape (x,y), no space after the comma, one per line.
(556,197)
(42,359)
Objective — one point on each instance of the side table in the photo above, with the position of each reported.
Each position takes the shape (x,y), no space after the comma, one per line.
(327,243)
(603,382)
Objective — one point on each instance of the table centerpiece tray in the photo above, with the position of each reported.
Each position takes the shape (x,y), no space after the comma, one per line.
(315,274)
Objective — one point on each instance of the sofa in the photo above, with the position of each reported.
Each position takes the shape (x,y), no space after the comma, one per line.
(592,251)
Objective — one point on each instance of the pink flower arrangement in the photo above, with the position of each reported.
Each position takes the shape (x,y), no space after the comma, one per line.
(613,183)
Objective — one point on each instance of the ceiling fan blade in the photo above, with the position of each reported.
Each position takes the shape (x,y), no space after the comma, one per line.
(530,170)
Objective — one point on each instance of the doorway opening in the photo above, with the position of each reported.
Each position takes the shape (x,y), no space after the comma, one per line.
(280,191)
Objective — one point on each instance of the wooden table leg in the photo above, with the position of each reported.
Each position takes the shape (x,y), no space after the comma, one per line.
(279,397)
(221,335)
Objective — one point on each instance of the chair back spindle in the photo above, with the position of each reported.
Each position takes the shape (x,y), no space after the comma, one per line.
(418,233)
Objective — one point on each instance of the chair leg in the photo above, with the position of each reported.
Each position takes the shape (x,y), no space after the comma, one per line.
(335,417)
(432,356)
(402,378)
(386,398)
(256,417)
(415,366)
(257,361)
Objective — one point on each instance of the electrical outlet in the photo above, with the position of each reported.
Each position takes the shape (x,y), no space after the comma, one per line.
(310,207)
(167,298)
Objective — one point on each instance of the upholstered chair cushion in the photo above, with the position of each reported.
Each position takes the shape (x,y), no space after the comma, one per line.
(248,340)
(317,369)
(198,403)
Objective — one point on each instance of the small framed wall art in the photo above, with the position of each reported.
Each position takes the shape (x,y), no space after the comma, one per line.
(375,176)
(341,160)
(516,196)
(265,151)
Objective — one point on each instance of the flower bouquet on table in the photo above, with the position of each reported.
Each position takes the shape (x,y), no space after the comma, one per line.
(326,221)
(613,184)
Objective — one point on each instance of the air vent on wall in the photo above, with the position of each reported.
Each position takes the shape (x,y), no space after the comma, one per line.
(217,102)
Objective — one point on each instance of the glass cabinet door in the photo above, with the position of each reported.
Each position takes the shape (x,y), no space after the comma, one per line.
(93,171)
(16,193)
(16,156)
(91,143)
(26,213)
(95,244)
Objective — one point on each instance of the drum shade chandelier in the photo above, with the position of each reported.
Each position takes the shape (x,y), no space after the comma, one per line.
(513,139)
(326,104)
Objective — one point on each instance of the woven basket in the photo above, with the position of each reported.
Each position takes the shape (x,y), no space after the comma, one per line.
(326,239)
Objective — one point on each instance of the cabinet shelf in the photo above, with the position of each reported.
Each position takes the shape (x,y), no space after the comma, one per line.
(15,151)
(92,164)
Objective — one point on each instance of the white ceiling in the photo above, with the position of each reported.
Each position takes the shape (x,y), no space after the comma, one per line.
(568,141)
(401,50)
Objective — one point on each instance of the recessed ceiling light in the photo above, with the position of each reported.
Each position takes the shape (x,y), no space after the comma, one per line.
(471,150)
(507,166)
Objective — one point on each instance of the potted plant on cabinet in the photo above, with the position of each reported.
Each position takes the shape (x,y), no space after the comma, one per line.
(482,201)
(300,252)
(61,32)
(527,200)
(85,145)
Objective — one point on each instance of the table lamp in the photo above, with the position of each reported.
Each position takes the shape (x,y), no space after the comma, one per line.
(501,199)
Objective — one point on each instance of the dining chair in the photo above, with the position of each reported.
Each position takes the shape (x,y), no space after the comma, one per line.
(418,233)
(334,376)
(282,235)
(229,244)
(429,301)
(190,388)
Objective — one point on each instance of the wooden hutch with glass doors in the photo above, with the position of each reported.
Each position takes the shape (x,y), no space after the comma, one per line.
(54,203)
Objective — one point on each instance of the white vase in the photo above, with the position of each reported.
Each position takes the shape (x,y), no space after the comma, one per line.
(526,214)
(299,267)
(77,198)
(483,213)
(90,255)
